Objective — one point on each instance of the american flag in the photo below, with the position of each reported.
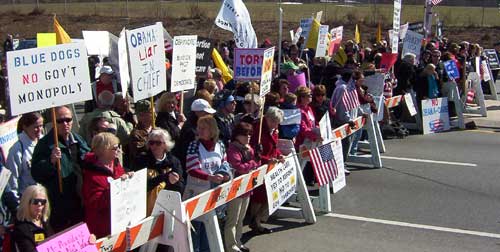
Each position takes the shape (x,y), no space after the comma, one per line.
(350,97)
(323,163)
(435,2)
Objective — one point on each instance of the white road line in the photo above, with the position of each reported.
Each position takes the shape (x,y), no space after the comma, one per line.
(429,161)
(406,224)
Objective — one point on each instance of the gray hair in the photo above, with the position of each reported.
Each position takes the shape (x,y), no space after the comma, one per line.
(106,98)
(276,114)
(408,57)
(164,135)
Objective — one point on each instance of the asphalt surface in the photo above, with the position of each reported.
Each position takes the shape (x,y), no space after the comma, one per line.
(452,198)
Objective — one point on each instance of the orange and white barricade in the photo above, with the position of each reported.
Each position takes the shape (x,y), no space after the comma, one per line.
(474,82)
(373,138)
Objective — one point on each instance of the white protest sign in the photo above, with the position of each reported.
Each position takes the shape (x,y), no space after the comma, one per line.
(8,134)
(339,182)
(305,25)
(184,63)
(285,146)
(396,25)
(319,14)
(47,77)
(379,102)
(267,71)
(248,64)
(123,63)
(128,200)
(435,116)
(403,29)
(412,43)
(322,45)
(291,116)
(375,84)
(296,36)
(4,179)
(325,128)
(281,182)
(410,105)
(147,61)
(486,71)
(97,42)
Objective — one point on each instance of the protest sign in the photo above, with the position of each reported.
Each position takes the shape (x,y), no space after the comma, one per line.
(234,17)
(97,42)
(47,77)
(267,71)
(147,61)
(291,116)
(280,183)
(285,146)
(4,179)
(339,182)
(325,128)
(388,60)
(336,40)
(8,134)
(124,74)
(451,69)
(248,64)
(435,116)
(75,238)
(412,43)
(396,25)
(403,29)
(184,63)
(410,105)
(322,44)
(128,200)
(492,56)
(45,39)
(296,36)
(417,27)
(204,49)
(305,25)
(375,84)
(295,81)
(379,103)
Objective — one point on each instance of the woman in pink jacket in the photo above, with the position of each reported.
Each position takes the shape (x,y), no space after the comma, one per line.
(242,159)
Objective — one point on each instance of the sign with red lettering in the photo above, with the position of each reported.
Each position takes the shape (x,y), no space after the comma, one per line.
(46,77)
(267,71)
(248,64)
(147,61)
(75,238)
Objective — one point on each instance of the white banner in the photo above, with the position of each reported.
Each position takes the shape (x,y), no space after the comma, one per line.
(8,134)
(266,77)
(325,128)
(410,105)
(97,42)
(375,84)
(412,43)
(124,73)
(280,183)
(47,77)
(322,45)
(147,61)
(396,26)
(184,63)
(435,117)
(234,17)
(339,182)
(291,116)
(296,36)
(128,200)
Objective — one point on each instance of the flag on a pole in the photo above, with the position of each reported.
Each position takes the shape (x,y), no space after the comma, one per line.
(436,2)
(350,97)
(234,17)
(61,36)
(219,63)
(323,163)
(379,33)
(357,35)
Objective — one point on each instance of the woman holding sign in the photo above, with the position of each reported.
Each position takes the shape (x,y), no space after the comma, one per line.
(99,166)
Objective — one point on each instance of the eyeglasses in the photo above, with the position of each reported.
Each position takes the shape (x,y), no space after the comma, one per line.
(153,142)
(115,147)
(38,202)
(64,120)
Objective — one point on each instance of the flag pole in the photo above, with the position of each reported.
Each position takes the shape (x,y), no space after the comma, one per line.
(280,37)
(182,101)
(152,107)
(56,145)
(261,113)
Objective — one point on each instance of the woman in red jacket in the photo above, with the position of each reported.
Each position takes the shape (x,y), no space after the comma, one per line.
(99,165)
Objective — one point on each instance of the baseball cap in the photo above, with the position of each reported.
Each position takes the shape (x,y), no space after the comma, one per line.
(142,106)
(106,70)
(289,65)
(202,105)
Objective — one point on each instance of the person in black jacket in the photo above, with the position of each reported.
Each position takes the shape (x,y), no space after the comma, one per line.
(168,117)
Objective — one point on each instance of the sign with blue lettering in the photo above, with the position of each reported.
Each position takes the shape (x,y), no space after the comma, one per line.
(451,69)
(248,64)
(146,50)
(435,117)
(47,77)
(184,63)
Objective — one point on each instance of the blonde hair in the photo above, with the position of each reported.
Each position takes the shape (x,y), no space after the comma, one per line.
(104,141)
(210,85)
(164,135)
(164,99)
(24,210)
(211,123)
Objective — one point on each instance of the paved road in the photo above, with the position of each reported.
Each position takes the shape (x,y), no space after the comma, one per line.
(446,200)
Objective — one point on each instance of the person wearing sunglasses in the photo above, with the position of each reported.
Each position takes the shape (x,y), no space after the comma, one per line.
(99,165)
(71,148)
(31,226)
(164,169)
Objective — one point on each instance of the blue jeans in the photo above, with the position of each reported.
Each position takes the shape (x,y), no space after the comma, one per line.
(199,237)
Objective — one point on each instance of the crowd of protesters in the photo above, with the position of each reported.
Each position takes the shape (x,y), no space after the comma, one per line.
(216,137)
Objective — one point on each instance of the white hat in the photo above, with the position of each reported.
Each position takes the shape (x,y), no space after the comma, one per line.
(202,105)
(106,70)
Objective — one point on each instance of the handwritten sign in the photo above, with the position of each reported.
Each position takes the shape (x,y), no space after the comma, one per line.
(492,56)
(147,61)
(336,41)
(128,201)
(267,71)
(396,22)
(325,127)
(8,134)
(280,183)
(322,45)
(184,63)
(97,42)
(435,117)
(339,182)
(375,84)
(305,25)
(412,43)
(408,99)
(248,64)
(46,77)
(451,69)
(73,239)
(204,49)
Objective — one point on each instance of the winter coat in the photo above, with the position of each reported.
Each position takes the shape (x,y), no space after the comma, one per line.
(19,163)
(241,159)
(166,121)
(307,124)
(26,235)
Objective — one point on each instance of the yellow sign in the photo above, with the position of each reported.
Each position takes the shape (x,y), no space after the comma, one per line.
(45,39)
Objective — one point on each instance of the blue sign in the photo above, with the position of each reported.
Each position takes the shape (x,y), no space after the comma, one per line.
(451,69)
